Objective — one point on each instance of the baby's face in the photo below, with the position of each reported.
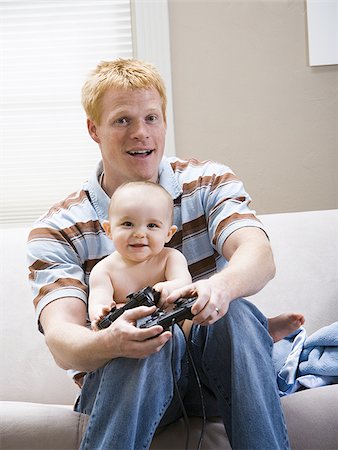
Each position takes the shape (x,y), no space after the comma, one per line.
(140,223)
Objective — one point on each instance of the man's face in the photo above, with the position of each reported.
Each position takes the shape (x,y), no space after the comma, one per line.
(131,135)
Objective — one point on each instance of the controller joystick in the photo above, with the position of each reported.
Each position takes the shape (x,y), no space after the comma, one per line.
(144,297)
(179,310)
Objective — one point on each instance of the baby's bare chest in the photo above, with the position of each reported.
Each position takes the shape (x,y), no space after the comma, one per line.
(132,279)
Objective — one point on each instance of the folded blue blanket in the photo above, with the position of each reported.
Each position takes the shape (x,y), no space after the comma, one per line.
(320,353)
(307,362)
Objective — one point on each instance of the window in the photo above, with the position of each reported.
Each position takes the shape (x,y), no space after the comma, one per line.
(47,50)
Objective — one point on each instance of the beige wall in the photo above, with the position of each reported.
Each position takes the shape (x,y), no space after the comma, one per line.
(245,95)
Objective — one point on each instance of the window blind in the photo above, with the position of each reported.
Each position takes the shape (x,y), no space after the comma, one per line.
(47,50)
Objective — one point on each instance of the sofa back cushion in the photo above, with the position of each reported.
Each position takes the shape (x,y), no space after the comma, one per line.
(305,247)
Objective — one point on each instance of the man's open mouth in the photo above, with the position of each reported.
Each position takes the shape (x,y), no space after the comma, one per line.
(140,152)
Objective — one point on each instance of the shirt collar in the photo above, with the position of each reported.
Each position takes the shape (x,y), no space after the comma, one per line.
(100,199)
(167,178)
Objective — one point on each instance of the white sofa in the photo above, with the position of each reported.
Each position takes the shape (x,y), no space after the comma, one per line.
(36,396)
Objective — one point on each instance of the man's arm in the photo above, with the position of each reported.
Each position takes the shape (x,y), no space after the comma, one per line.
(250,267)
(74,346)
(251,264)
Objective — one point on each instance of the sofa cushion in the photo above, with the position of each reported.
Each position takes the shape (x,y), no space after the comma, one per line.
(305,246)
(311,416)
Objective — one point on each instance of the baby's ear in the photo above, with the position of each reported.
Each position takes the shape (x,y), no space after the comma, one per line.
(172,230)
(106,227)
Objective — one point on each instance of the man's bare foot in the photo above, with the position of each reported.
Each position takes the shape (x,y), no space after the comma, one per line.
(284,324)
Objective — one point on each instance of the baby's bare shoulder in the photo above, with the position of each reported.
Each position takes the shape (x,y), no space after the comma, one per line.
(169,252)
(105,264)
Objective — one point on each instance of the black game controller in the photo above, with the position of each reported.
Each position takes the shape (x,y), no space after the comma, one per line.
(179,310)
(145,297)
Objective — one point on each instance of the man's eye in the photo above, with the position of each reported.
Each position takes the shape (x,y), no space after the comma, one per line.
(151,118)
(122,121)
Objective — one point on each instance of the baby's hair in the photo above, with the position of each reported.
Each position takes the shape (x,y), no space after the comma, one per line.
(157,187)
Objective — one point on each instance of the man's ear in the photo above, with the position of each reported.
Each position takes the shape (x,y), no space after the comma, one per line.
(171,232)
(92,131)
(106,227)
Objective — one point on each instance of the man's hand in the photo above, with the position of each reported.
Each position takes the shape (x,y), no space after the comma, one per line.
(212,300)
(131,342)
(74,346)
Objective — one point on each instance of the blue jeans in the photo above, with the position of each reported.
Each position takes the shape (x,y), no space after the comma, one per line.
(128,399)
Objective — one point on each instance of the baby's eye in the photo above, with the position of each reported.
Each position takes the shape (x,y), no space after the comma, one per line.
(152,225)
(127,224)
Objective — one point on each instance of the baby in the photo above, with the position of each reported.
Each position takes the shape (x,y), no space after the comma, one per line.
(140,224)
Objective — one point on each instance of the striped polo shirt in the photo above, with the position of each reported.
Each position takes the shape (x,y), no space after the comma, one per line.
(210,203)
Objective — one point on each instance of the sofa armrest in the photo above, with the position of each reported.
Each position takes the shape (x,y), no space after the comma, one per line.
(312,418)
(39,426)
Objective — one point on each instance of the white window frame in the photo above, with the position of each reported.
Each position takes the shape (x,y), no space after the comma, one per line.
(151,43)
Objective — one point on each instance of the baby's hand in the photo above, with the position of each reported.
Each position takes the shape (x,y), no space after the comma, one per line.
(164,289)
(98,312)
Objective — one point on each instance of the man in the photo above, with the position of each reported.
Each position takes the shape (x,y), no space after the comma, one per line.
(127,371)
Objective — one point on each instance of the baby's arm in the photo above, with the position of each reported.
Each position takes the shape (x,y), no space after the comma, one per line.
(101,291)
(176,274)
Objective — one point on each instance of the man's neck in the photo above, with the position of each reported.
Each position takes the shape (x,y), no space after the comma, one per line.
(109,190)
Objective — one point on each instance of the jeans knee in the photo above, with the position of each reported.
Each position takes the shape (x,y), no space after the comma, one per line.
(243,312)
(243,326)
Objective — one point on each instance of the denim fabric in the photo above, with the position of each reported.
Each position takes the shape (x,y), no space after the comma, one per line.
(128,398)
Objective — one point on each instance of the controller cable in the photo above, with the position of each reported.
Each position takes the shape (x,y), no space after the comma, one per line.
(184,412)
(185,416)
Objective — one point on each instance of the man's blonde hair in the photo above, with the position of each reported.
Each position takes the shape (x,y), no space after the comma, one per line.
(120,74)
